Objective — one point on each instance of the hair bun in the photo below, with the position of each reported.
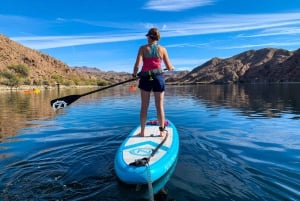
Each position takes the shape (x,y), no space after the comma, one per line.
(153,33)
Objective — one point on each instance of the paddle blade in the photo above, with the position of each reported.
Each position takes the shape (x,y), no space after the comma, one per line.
(63,102)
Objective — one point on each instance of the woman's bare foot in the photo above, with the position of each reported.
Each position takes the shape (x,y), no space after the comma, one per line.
(163,133)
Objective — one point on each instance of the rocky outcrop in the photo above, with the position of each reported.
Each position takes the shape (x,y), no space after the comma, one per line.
(44,69)
(41,66)
(264,65)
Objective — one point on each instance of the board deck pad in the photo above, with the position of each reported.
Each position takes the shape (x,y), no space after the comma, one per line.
(138,147)
(138,157)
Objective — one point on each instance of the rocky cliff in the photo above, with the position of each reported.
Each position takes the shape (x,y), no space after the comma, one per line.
(264,65)
(40,66)
(46,70)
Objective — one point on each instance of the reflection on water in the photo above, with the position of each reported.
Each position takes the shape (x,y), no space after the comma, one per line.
(237,142)
(253,100)
(18,109)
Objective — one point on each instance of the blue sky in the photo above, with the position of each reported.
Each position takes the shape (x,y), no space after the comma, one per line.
(107,34)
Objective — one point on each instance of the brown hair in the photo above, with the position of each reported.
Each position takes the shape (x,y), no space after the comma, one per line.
(153,33)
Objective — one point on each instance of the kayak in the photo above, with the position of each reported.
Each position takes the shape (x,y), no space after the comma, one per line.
(32,91)
(140,160)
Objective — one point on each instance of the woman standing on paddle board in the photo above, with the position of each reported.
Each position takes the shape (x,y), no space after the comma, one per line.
(152,78)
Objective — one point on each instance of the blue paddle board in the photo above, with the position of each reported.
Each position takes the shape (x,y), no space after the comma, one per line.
(140,160)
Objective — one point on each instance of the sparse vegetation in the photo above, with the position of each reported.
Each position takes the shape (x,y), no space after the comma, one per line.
(57,78)
(20,70)
(9,79)
(20,65)
(14,76)
(102,83)
(33,67)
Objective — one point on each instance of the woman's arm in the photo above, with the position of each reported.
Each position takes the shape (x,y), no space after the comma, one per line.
(138,61)
(166,59)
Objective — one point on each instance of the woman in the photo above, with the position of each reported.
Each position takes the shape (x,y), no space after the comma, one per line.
(152,78)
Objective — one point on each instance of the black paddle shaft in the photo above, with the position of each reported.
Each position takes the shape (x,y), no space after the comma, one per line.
(62,102)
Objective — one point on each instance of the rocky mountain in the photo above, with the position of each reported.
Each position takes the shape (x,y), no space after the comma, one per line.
(40,66)
(41,69)
(106,76)
(264,65)
(22,65)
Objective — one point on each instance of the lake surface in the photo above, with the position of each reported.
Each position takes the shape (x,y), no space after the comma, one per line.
(237,142)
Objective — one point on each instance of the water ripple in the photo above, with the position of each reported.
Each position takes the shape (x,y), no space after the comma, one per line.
(229,150)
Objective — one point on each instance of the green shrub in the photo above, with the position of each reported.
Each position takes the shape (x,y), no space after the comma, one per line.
(27,82)
(37,82)
(57,78)
(20,70)
(101,83)
(11,79)
(45,82)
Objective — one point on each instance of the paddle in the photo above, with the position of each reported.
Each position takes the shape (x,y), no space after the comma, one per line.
(62,102)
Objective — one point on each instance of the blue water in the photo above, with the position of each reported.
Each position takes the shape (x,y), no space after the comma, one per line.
(236,143)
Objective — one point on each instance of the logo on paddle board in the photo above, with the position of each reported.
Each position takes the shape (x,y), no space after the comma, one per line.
(59,105)
(141,151)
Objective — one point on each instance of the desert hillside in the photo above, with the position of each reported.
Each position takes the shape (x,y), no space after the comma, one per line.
(264,65)
(20,65)
(42,68)
(30,67)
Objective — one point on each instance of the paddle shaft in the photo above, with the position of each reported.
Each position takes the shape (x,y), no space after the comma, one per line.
(113,85)
(107,87)
(62,102)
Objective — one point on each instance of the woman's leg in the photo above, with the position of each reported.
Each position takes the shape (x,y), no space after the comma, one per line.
(159,103)
(145,99)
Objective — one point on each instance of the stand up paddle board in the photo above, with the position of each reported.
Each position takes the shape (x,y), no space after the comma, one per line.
(140,160)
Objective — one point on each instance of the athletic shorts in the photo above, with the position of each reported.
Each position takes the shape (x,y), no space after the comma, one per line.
(156,84)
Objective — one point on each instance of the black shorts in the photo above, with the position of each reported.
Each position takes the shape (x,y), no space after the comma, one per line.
(156,84)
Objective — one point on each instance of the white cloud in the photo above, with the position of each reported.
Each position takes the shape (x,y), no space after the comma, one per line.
(48,42)
(176,5)
(186,45)
(271,44)
(231,23)
(273,32)
(276,23)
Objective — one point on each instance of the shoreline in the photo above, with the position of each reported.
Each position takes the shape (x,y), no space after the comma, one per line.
(47,87)
(42,87)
